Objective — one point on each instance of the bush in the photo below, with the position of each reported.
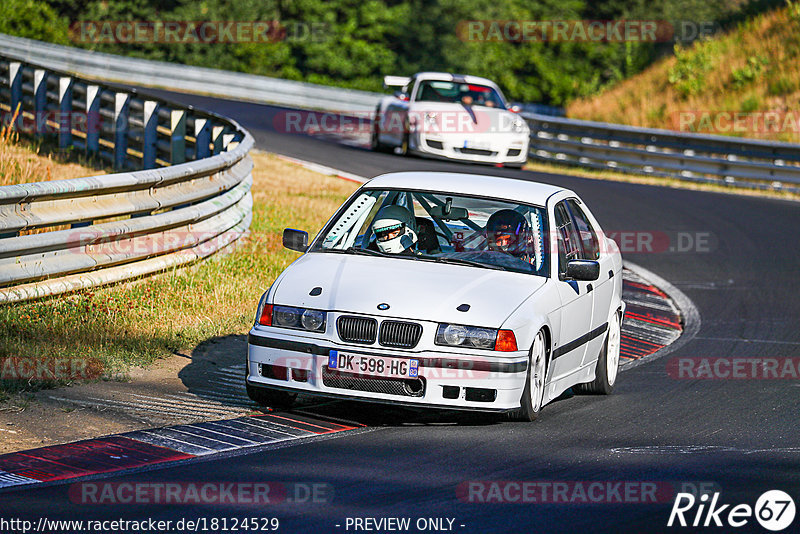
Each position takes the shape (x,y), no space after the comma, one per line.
(691,66)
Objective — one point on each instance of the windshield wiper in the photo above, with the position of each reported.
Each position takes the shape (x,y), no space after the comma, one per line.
(470,263)
(364,252)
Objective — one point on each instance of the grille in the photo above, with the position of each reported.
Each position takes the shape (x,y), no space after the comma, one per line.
(514,152)
(400,334)
(409,387)
(476,151)
(357,329)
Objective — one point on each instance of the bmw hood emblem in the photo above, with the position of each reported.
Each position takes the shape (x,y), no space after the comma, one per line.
(383,306)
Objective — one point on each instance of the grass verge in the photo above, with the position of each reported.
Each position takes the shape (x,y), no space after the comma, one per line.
(136,323)
(25,161)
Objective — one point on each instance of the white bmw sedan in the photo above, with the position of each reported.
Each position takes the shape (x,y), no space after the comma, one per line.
(445,290)
(450,116)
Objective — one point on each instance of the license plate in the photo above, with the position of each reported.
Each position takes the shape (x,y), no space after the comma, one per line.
(363,364)
(476,146)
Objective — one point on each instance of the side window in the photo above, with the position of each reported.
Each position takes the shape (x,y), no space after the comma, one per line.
(588,237)
(568,244)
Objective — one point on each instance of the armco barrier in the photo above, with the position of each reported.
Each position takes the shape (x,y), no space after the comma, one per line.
(184,192)
(215,82)
(719,159)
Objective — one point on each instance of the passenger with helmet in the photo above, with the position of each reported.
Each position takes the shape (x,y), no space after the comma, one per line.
(394,230)
(508,231)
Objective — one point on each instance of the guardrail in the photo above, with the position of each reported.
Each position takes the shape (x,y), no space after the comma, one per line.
(661,153)
(219,83)
(189,198)
(716,159)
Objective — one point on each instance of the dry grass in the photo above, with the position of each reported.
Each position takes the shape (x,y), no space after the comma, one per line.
(136,323)
(754,68)
(22,161)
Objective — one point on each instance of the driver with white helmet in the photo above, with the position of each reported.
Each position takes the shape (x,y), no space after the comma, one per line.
(394,230)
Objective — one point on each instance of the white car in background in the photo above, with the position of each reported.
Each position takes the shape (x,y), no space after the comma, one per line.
(447,290)
(450,116)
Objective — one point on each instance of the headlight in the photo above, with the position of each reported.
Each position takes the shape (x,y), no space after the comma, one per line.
(466,336)
(298,318)
(519,126)
(430,118)
(312,320)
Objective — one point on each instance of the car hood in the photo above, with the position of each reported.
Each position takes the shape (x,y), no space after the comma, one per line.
(413,289)
(455,119)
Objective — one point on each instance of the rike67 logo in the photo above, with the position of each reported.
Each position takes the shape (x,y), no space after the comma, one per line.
(774,510)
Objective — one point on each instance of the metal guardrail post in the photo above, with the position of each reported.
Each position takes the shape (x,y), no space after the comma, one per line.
(65,112)
(150,124)
(15,86)
(177,127)
(39,101)
(121,111)
(93,120)
(202,135)
(228,141)
(216,138)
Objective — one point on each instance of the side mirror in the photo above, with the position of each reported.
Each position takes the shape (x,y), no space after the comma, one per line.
(583,270)
(515,109)
(296,240)
(401,95)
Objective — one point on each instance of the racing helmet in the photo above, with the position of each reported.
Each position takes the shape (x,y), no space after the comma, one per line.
(394,229)
(508,231)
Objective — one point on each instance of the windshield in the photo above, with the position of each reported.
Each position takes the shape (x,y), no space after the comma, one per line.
(465,93)
(446,228)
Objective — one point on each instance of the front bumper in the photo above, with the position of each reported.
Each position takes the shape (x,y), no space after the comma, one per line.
(489,148)
(446,379)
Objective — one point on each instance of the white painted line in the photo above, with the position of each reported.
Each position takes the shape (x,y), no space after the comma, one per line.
(176,440)
(204,429)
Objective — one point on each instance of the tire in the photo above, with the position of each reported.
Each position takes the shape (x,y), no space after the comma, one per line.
(375,144)
(272,398)
(404,145)
(607,366)
(533,394)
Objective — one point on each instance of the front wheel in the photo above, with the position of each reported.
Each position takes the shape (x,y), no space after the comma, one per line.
(533,395)
(607,364)
(375,143)
(272,398)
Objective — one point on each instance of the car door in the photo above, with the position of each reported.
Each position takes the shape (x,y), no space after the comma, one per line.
(396,116)
(577,298)
(603,287)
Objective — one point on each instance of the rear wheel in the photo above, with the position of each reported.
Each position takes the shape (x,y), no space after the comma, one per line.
(272,398)
(533,395)
(607,363)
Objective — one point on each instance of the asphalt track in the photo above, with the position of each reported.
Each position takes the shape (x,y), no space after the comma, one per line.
(742,435)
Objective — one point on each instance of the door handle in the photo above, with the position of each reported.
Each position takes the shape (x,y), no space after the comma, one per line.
(589,288)
(611,273)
